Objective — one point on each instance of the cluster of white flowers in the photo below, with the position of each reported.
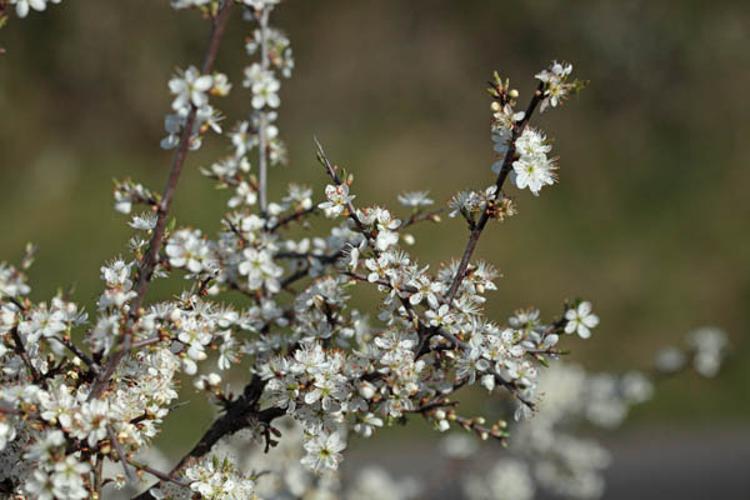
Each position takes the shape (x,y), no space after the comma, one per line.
(533,169)
(215,480)
(471,204)
(191,108)
(66,408)
(523,151)
(545,450)
(707,348)
(507,480)
(555,85)
(709,345)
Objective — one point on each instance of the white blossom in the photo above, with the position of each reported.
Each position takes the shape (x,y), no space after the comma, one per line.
(580,320)
(533,172)
(556,86)
(264,86)
(415,199)
(338,200)
(190,87)
(324,452)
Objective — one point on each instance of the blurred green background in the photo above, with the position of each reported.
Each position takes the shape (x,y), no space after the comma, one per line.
(651,219)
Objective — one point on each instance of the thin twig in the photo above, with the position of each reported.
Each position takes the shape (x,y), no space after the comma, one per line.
(295,216)
(146,342)
(163,476)
(262,137)
(331,170)
(98,475)
(8,410)
(431,215)
(121,455)
(79,354)
(476,231)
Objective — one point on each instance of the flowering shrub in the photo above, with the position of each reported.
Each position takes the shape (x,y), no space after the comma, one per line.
(80,416)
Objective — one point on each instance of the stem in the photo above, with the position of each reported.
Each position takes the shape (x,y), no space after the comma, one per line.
(295,216)
(149,262)
(262,139)
(68,343)
(157,473)
(98,476)
(121,455)
(476,231)
(331,171)
(6,409)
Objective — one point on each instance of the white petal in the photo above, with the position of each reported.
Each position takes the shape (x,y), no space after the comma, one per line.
(584,308)
(583,332)
(22,9)
(591,320)
(39,5)
(204,83)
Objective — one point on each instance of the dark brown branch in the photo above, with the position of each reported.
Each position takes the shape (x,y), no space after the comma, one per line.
(477,229)
(68,343)
(239,414)
(150,260)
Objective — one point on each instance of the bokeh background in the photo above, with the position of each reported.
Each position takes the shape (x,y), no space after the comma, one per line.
(651,219)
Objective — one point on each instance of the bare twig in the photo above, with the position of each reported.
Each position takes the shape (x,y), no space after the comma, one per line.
(431,215)
(295,216)
(331,171)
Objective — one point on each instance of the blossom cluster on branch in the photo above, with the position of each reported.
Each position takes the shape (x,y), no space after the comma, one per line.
(84,394)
